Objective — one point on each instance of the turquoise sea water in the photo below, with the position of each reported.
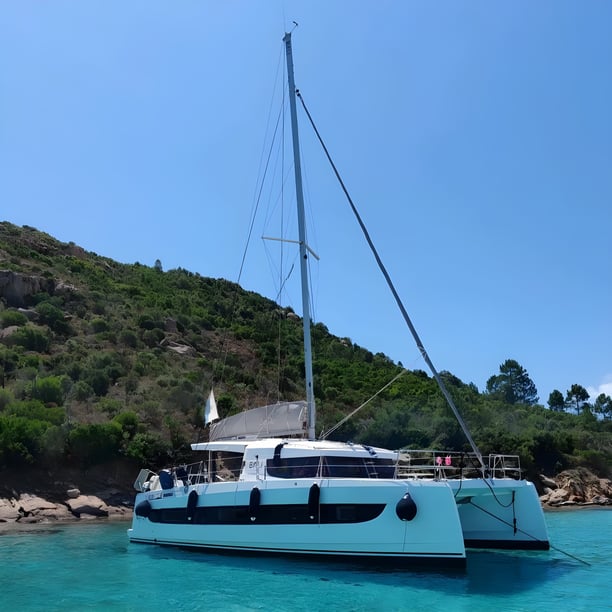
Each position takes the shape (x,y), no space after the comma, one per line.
(92,567)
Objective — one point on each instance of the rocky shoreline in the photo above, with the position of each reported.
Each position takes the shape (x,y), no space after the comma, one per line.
(27,508)
(30,496)
(576,488)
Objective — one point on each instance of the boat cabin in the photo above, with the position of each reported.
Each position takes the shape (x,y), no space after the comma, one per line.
(248,460)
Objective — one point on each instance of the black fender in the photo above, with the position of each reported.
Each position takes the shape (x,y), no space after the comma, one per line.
(406,508)
(254,503)
(314,498)
(143,509)
(192,502)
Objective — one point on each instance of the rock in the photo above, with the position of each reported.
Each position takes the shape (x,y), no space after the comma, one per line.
(8,511)
(59,513)
(582,483)
(547,482)
(16,287)
(8,331)
(34,509)
(62,288)
(87,505)
(75,251)
(73,493)
(578,486)
(32,503)
(181,349)
(558,497)
(170,325)
(31,315)
(119,512)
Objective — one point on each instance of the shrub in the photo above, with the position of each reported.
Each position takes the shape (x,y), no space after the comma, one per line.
(53,443)
(99,381)
(149,323)
(99,325)
(35,410)
(6,398)
(32,339)
(226,404)
(110,406)
(20,440)
(12,317)
(152,337)
(30,361)
(128,422)
(90,444)
(53,317)
(9,360)
(129,338)
(596,460)
(82,391)
(148,449)
(48,390)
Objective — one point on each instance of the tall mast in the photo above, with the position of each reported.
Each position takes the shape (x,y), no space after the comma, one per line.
(299,193)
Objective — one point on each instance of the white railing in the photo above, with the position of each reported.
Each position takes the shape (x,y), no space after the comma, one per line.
(442,465)
(411,464)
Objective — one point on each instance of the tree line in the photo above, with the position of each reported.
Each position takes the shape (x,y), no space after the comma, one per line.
(514,385)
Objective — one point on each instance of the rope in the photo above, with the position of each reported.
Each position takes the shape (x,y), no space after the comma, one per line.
(495,496)
(501,520)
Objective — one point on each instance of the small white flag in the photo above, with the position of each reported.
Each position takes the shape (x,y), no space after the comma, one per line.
(210,411)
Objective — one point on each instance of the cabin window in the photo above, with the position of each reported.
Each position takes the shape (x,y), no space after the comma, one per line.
(381,468)
(293,467)
(344,467)
(331,467)
(226,466)
(357,467)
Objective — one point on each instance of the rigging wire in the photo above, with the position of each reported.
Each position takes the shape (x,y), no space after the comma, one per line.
(391,286)
(223,348)
(324,435)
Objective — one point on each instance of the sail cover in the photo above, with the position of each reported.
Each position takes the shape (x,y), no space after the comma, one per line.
(276,420)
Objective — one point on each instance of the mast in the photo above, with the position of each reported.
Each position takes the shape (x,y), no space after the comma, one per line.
(299,193)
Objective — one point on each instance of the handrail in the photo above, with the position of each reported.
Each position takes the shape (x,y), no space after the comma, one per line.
(443,465)
(410,464)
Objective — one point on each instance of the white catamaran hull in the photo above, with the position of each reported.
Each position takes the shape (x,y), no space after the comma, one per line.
(500,513)
(338,529)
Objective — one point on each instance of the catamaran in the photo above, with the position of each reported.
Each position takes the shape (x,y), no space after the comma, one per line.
(264,483)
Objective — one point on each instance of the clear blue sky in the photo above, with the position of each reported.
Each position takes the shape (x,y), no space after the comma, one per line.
(474,136)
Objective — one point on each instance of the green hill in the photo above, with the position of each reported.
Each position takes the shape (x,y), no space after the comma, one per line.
(101,360)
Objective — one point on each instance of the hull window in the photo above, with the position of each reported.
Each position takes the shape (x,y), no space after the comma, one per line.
(289,514)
